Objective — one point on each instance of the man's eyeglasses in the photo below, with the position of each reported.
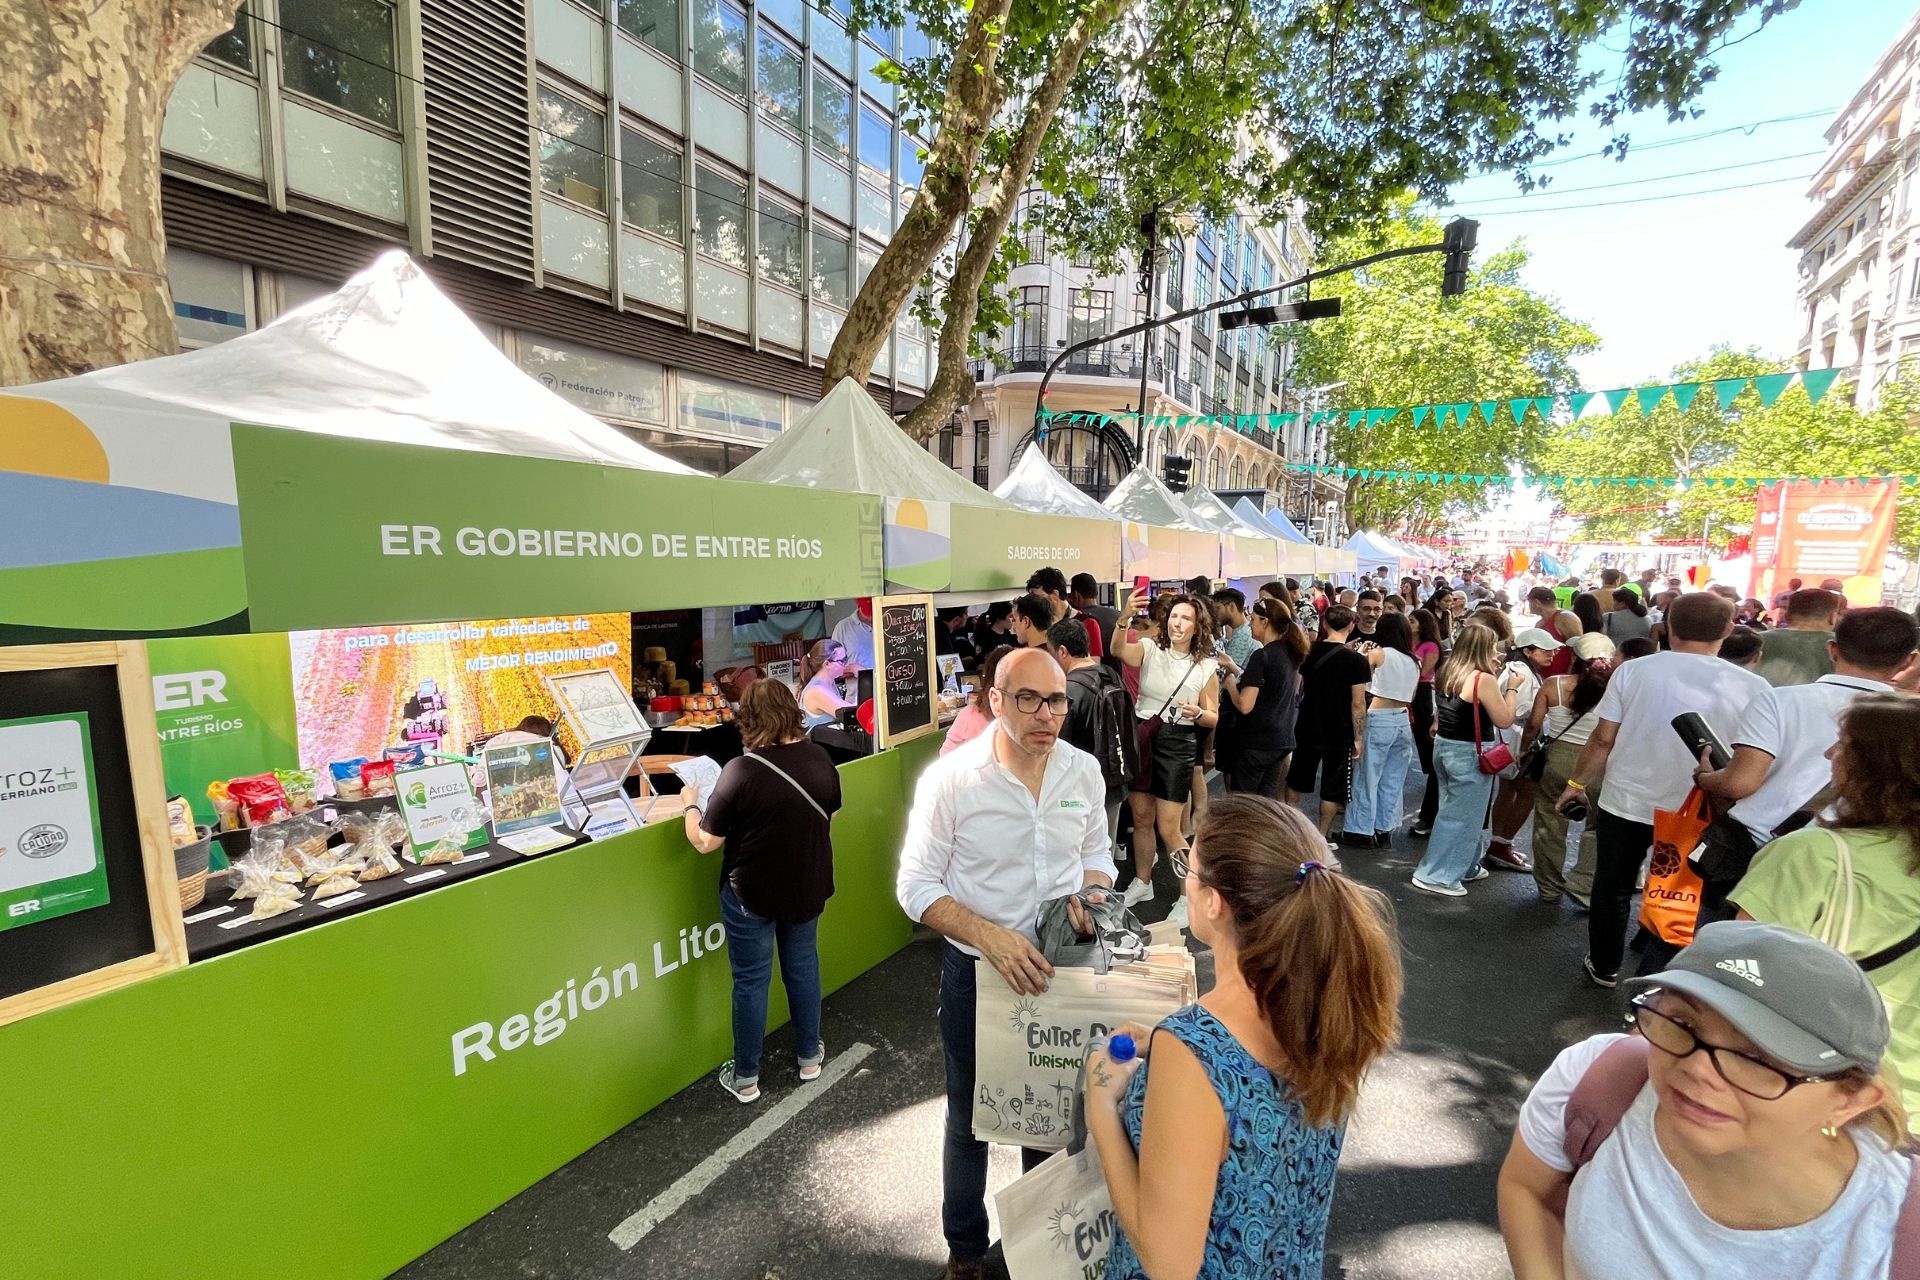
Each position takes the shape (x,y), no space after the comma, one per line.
(1026,701)
(1748,1074)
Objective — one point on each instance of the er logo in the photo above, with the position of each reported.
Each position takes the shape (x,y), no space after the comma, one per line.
(188,689)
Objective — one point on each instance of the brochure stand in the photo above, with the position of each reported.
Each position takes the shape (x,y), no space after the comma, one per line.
(611,735)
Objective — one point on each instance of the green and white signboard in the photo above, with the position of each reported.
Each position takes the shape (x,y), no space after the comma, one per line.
(349,533)
(50,861)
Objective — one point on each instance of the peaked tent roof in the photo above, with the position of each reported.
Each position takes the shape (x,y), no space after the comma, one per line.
(1207,502)
(386,357)
(1275,519)
(1034,485)
(1140,496)
(845,442)
(1372,549)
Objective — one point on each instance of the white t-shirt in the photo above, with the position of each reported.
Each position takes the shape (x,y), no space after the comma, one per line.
(1629,1212)
(1795,724)
(1397,676)
(856,634)
(1161,673)
(1649,768)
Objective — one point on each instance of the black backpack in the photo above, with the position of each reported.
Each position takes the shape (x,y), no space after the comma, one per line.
(1115,745)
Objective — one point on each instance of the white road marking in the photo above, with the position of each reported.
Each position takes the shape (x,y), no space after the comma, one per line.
(708,1171)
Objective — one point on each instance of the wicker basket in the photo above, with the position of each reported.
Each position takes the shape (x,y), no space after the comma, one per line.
(190,867)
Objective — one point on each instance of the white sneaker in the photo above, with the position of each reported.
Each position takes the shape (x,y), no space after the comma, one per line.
(1441,889)
(810,1070)
(1138,892)
(1178,915)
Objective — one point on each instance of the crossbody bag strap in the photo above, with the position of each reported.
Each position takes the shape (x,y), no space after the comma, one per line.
(1193,665)
(804,794)
(1836,929)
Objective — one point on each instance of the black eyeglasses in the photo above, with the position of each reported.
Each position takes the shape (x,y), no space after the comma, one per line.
(1028,702)
(1750,1075)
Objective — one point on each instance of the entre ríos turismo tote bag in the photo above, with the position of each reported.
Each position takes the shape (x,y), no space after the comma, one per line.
(1056,1220)
(1028,1049)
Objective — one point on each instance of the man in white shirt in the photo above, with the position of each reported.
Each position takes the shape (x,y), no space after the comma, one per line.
(1653,769)
(1004,824)
(855,631)
(1780,746)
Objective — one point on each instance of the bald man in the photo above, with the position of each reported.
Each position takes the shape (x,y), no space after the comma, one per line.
(1000,826)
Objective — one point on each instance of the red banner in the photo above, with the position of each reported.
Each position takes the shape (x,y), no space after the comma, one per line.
(1819,531)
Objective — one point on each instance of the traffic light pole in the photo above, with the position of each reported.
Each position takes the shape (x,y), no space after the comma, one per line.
(1458,244)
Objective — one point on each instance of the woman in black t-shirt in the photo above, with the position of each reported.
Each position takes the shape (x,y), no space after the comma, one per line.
(771,811)
(1265,694)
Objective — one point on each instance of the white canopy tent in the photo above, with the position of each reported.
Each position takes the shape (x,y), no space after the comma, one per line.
(845,442)
(1140,496)
(1034,485)
(386,357)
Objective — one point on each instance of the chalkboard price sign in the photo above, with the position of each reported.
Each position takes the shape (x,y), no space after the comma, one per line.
(907,695)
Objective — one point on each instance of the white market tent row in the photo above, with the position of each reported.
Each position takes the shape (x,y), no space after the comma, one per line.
(1373,550)
(1141,496)
(1298,554)
(1250,552)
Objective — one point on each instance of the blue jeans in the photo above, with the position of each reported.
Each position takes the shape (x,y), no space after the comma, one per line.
(1460,828)
(751,940)
(1381,778)
(963,1162)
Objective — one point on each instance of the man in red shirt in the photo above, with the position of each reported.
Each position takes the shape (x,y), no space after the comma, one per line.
(1562,624)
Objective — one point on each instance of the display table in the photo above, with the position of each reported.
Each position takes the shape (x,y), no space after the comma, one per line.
(416,1065)
(719,742)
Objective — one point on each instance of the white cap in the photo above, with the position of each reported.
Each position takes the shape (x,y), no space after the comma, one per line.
(1535,638)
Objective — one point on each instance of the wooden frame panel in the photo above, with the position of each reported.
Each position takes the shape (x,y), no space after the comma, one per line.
(129,658)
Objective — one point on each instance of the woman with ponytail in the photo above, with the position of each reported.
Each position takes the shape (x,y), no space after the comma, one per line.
(1220,1158)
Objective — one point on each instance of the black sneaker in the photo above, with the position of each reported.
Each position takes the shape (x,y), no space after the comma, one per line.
(1597,978)
(1383,839)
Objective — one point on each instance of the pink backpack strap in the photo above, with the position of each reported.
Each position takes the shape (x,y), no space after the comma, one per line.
(1602,1098)
(1906,1231)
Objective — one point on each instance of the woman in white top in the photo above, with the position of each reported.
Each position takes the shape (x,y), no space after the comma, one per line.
(1380,775)
(1180,686)
(1564,713)
(1748,1131)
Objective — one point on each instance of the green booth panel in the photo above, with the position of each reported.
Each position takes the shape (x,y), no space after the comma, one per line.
(335,1103)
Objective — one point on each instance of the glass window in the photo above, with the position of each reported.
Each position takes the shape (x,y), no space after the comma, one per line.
(657,22)
(913,41)
(1089,318)
(780,75)
(832,258)
(573,143)
(832,113)
(720,217)
(341,52)
(876,142)
(235,48)
(1030,319)
(720,46)
(790,14)
(650,184)
(779,247)
(912,167)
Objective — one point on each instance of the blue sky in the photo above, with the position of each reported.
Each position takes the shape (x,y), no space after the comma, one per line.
(1664,281)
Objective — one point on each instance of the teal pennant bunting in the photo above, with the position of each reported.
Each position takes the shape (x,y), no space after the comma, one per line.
(1543,405)
(1489,409)
(1616,398)
(1376,417)
(1683,394)
(1579,401)
(1729,389)
(1354,416)
(1770,386)
(1518,408)
(1420,414)
(1816,382)
(1650,397)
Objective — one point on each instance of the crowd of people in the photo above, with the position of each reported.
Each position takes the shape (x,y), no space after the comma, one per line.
(1754,1120)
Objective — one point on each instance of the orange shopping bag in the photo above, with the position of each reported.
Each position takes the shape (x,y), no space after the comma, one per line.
(1670,904)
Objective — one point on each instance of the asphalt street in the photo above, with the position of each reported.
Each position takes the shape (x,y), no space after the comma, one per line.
(849,1185)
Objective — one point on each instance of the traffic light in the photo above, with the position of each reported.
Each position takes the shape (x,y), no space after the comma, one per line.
(1176,471)
(1462,235)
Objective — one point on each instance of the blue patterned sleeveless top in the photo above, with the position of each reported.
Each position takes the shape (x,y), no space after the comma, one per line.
(1269,1219)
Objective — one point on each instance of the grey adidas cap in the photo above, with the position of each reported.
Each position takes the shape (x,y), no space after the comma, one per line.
(1802,1003)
